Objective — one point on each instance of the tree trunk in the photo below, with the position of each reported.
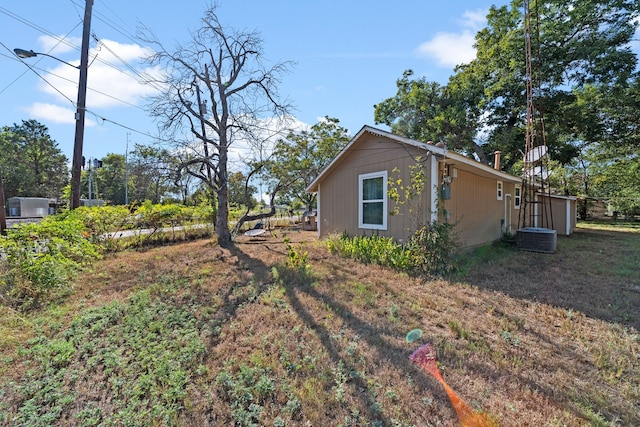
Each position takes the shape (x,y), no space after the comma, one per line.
(246,217)
(222,219)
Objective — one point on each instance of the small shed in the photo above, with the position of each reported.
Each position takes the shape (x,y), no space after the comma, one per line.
(565,214)
(28,206)
(309,220)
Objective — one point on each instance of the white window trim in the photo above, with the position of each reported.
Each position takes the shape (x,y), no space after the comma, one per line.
(517,197)
(371,175)
(499,190)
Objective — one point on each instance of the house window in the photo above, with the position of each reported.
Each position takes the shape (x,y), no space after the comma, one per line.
(499,190)
(517,196)
(372,203)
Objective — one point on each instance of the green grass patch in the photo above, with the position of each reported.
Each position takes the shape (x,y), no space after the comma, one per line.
(141,353)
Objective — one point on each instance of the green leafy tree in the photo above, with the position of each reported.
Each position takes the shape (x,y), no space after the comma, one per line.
(241,192)
(581,54)
(151,173)
(110,179)
(428,111)
(32,164)
(620,119)
(300,157)
(13,171)
(295,161)
(620,184)
(582,65)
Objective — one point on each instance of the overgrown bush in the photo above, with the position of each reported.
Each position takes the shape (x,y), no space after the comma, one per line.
(429,251)
(432,248)
(156,216)
(40,259)
(98,221)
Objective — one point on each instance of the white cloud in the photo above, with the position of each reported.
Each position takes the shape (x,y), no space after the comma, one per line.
(60,44)
(54,113)
(110,83)
(474,19)
(453,48)
(450,49)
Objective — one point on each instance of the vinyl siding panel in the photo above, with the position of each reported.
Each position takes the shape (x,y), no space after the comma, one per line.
(563,212)
(480,217)
(339,190)
(474,208)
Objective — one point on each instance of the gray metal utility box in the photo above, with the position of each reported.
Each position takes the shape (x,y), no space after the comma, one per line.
(28,206)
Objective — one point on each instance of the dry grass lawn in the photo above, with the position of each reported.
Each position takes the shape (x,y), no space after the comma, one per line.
(531,339)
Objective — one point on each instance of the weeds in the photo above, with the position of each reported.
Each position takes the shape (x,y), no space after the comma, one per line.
(41,259)
(189,335)
(142,353)
(249,389)
(428,253)
(297,258)
(459,330)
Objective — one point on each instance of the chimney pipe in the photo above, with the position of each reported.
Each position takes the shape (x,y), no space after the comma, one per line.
(496,160)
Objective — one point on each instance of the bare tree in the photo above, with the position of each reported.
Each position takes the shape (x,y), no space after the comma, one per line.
(216,86)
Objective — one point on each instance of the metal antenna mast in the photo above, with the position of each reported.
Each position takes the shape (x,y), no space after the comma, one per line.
(536,209)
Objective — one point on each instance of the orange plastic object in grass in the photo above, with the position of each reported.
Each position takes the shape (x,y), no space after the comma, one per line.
(425,357)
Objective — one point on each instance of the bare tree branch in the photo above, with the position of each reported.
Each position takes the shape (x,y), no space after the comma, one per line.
(226,67)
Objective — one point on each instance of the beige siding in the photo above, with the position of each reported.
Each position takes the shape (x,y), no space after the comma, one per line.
(563,213)
(339,190)
(475,209)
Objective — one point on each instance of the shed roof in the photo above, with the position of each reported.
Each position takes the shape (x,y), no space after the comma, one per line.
(449,157)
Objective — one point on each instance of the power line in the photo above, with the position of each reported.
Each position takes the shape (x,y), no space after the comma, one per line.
(33,69)
(108,22)
(140,78)
(135,74)
(17,78)
(104,119)
(143,79)
(38,28)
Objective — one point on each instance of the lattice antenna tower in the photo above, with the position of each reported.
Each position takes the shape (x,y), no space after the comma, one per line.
(535,210)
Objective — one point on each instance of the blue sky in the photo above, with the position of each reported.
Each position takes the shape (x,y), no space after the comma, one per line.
(348,56)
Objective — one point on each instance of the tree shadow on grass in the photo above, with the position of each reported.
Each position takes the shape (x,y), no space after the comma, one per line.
(590,272)
(315,300)
(298,289)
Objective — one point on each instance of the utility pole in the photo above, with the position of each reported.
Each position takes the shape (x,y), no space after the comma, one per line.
(76,168)
(126,171)
(89,173)
(3,214)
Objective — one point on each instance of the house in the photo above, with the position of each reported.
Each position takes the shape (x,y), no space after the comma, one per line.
(354,191)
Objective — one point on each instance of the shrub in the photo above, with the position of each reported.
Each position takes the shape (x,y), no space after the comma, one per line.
(429,252)
(40,259)
(432,247)
(158,216)
(100,220)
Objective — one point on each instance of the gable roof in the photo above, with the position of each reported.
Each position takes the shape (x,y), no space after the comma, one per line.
(449,157)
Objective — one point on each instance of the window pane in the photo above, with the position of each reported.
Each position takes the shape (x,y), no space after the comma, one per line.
(372,188)
(372,213)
